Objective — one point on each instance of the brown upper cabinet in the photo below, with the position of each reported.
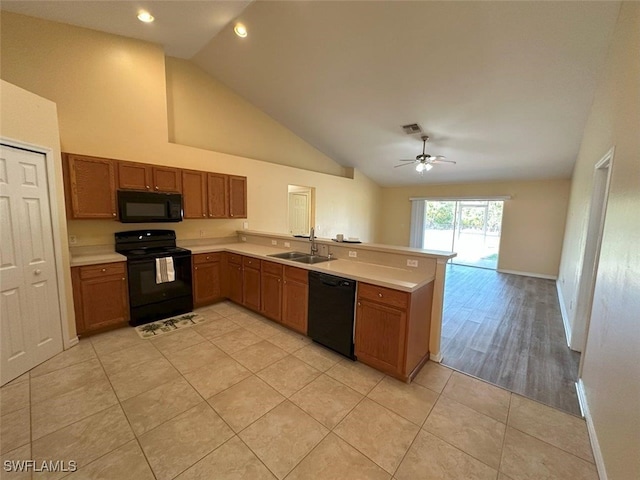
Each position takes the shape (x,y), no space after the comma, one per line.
(90,186)
(237,197)
(213,195)
(146,177)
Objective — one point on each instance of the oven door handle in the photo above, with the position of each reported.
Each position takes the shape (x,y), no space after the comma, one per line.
(153,259)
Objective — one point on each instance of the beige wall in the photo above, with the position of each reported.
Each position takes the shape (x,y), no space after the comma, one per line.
(112,102)
(611,370)
(532,226)
(206,114)
(33,120)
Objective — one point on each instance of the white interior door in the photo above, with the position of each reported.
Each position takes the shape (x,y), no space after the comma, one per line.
(299,213)
(30,323)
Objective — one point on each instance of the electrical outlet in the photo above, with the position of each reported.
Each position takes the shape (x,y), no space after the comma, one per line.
(287,244)
(244,239)
(245,225)
(274,242)
(412,263)
(353,254)
(73,239)
(201,233)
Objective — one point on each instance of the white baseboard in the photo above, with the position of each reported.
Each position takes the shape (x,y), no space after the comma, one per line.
(595,445)
(436,357)
(565,316)
(72,342)
(529,274)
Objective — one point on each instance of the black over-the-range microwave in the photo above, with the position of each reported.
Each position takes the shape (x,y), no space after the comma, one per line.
(146,207)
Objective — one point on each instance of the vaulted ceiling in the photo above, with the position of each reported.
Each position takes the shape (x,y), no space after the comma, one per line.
(502,88)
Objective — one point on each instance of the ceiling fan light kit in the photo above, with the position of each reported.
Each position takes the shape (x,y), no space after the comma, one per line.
(425,162)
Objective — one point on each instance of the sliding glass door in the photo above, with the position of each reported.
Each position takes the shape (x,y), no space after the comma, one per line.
(471,228)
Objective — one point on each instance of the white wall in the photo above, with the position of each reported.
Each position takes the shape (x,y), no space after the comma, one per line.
(611,363)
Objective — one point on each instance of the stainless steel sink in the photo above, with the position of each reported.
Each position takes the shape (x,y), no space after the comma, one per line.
(301,257)
(288,255)
(311,259)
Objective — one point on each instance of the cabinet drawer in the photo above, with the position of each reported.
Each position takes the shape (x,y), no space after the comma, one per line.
(251,262)
(234,258)
(383,295)
(296,274)
(104,270)
(206,258)
(272,267)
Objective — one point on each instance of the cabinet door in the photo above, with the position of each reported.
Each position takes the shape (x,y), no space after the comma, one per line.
(251,288)
(134,176)
(92,187)
(218,195)
(194,194)
(167,179)
(101,301)
(295,301)
(237,197)
(380,336)
(206,283)
(234,272)
(271,296)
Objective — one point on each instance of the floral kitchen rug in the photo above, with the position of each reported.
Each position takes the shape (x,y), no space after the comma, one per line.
(167,325)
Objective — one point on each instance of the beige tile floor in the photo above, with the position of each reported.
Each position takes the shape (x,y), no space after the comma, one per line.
(239,397)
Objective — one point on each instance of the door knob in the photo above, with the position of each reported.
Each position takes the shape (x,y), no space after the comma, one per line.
(37,271)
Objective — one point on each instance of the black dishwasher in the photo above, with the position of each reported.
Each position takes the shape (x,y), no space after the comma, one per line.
(331,312)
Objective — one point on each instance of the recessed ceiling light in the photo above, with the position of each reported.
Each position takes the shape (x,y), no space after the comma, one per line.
(145,17)
(240,30)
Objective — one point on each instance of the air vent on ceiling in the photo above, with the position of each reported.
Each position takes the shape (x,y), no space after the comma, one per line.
(412,128)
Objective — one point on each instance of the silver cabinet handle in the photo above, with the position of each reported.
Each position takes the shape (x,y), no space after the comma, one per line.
(123,279)
(380,295)
(37,271)
(204,214)
(113,214)
(148,187)
(104,270)
(157,188)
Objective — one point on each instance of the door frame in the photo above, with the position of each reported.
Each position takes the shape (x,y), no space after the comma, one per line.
(591,255)
(67,340)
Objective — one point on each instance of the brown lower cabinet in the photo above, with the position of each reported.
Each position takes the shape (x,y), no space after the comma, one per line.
(392,329)
(271,290)
(251,273)
(232,282)
(100,296)
(295,298)
(207,278)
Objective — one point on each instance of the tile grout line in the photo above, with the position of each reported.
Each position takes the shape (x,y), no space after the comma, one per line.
(135,437)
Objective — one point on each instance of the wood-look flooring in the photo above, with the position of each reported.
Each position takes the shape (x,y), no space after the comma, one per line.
(507,329)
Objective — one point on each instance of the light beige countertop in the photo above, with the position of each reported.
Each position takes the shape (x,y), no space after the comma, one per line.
(380,275)
(397,278)
(94,255)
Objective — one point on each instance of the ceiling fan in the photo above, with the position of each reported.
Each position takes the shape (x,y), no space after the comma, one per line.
(425,162)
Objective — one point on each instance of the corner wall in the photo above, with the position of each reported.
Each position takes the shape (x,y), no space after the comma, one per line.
(611,363)
(32,119)
(532,225)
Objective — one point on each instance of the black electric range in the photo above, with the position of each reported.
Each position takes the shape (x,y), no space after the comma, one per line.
(148,299)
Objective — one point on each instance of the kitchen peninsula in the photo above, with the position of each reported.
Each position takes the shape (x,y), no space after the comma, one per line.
(399,308)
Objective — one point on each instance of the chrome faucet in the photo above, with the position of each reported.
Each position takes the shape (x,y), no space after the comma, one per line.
(312,239)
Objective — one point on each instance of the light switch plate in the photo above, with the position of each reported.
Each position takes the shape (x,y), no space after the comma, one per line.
(274,242)
(73,239)
(244,239)
(412,263)
(287,244)
(245,225)
(353,254)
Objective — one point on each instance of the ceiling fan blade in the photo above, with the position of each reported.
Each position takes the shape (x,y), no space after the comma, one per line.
(443,160)
(403,164)
(407,160)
